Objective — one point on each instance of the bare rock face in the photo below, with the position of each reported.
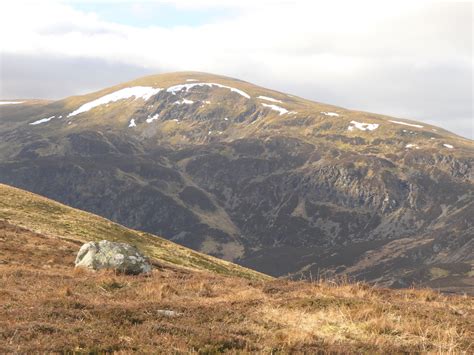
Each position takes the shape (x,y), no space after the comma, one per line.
(121,257)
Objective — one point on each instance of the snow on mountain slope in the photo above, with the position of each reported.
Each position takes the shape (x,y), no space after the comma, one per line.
(139,92)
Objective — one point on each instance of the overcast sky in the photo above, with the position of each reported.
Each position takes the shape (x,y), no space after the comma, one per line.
(410,59)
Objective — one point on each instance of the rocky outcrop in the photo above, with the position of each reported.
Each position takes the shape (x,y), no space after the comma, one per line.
(121,257)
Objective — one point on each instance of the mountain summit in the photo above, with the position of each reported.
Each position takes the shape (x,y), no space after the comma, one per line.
(269,180)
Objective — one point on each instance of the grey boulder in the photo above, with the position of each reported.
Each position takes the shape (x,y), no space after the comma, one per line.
(121,257)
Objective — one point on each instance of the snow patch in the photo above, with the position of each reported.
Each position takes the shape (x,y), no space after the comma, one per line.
(332,114)
(268,99)
(448,146)
(281,110)
(43,120)
(184,101)
(11,102)
(191,80)
(150,119)
(363,126)
(407,124)
(410,145)
(139,92)
(132,123)
(176,88)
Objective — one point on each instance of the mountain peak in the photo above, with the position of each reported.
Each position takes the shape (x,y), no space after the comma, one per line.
(201,107)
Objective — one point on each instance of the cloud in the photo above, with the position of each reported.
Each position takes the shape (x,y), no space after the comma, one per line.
(51,77)
(395,58)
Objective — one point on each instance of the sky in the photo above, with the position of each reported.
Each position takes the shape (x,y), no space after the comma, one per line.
(408,59)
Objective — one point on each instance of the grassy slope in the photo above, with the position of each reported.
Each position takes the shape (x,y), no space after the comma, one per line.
(47,306)
(48,217)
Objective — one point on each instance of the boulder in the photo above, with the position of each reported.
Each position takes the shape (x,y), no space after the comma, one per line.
(121,257)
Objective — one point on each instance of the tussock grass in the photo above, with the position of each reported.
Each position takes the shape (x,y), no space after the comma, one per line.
(48,306)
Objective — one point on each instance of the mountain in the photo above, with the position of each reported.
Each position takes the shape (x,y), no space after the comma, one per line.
(190,302)
(274,182)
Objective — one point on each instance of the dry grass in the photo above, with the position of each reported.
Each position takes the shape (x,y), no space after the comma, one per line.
(47,306)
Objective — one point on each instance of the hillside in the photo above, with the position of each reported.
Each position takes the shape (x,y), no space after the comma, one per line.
(193,303)
(271,181)
(64,224)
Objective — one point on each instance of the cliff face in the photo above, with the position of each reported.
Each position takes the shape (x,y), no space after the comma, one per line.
(271,181)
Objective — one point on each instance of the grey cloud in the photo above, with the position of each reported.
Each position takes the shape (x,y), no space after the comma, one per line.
(58,77)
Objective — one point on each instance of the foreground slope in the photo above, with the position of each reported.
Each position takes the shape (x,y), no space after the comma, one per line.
(48,306)
(57,221)
(272,181)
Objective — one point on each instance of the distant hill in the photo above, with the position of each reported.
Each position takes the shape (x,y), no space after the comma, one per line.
(271,181)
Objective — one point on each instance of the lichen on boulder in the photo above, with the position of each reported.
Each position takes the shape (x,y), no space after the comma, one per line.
(120,257)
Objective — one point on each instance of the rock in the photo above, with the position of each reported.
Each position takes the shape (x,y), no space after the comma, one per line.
(121,257)
(168,313)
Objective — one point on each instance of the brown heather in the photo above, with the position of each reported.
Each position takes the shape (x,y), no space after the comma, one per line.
(48,306)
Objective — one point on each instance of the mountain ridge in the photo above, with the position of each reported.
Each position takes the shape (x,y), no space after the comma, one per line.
(179,77)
